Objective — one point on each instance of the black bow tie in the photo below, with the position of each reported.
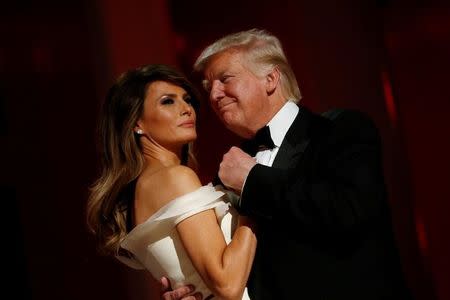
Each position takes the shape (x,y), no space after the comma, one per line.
(262,140)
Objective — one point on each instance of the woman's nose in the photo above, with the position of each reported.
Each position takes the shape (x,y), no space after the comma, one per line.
(186,109)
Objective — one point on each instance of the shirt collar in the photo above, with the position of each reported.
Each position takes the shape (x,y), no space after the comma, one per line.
(282,121)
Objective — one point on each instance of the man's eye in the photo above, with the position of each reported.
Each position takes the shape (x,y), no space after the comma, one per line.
(206,85)
(167,101)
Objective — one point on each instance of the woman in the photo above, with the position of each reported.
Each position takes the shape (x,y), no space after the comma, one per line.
(148,208)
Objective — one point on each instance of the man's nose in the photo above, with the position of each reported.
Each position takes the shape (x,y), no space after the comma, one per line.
(216,92)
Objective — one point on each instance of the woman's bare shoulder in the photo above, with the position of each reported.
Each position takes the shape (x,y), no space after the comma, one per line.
(170,183)
(182,179)
(155,190)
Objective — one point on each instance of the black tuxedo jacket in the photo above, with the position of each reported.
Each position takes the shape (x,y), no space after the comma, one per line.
(324,224)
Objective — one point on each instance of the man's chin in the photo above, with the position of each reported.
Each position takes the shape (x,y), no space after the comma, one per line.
(238,130)
(228,120)
(229,117)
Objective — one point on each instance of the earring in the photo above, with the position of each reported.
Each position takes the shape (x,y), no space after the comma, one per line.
(139,131)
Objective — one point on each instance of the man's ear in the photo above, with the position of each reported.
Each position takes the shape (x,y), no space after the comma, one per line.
(272,80)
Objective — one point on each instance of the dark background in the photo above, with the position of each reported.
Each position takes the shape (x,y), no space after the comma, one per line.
(388,58)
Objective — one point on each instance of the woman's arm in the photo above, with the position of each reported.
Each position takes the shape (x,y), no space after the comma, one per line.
(224,268)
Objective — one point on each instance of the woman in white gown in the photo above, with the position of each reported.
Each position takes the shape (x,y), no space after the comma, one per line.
(148,207)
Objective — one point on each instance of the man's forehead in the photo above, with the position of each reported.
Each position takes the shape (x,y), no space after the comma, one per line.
(221,63)
(215,65)
(226,57)
(212,73)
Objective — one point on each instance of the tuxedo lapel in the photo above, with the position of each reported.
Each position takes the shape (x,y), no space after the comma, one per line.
(295,141)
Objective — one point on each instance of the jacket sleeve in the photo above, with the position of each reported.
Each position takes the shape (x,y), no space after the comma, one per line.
(336,187)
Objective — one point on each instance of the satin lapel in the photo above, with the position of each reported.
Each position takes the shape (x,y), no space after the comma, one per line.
(295,141)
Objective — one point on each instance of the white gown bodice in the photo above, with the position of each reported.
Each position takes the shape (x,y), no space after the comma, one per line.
(156,246)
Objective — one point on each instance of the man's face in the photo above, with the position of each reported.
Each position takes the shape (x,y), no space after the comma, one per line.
(237,95)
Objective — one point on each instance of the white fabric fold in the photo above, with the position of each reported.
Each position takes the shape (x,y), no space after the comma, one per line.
(156,246)
(168,216)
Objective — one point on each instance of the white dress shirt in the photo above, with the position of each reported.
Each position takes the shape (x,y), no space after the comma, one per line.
(279,126)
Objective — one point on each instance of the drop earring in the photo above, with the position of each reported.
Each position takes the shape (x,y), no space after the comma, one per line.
(139,131)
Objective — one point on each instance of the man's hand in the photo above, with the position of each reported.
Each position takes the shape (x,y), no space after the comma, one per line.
(181,293)
(234,168)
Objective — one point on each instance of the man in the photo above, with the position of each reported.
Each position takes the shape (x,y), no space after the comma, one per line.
(316,189)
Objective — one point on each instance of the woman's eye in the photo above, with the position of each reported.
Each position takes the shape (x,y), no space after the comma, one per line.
(188,100)
(167,101)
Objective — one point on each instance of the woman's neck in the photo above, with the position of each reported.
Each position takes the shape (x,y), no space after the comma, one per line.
(160,157)
(167,159)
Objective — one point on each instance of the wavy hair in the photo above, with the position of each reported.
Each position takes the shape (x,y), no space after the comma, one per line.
(108,213)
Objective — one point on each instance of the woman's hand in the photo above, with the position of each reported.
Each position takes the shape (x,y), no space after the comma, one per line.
(181,293)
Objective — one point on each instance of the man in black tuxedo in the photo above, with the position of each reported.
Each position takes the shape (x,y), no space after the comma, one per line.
(315,185)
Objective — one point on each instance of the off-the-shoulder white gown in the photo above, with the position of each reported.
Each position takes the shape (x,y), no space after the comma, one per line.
(156,246)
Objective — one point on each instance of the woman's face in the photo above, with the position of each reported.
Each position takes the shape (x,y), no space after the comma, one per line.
(168,117)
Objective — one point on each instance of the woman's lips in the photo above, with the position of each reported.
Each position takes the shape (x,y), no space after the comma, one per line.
(188,124)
